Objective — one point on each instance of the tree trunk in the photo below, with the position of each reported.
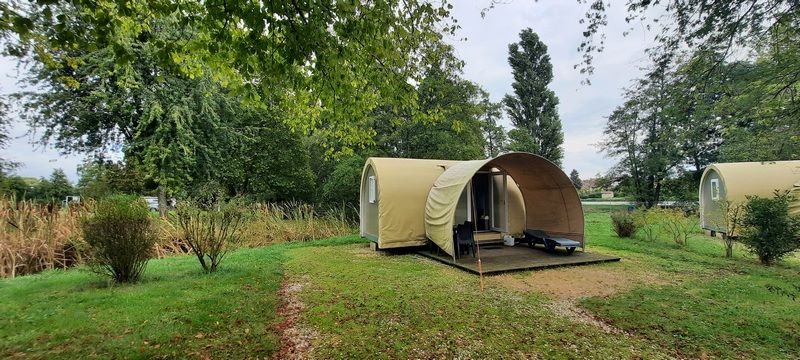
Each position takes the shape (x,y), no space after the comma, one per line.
(162,201)
(728,245)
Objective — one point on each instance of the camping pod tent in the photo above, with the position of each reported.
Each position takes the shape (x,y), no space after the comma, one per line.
(733,182)
(407,202)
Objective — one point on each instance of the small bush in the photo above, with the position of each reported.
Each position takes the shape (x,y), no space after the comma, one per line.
(624,224)
(120,237)
(767,228)
(648,222)
(678,225)
(210,230)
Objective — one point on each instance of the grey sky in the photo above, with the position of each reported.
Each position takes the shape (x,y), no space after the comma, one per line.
(582,108)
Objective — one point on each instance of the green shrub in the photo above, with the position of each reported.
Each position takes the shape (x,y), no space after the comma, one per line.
(210,230)
(767,228)
(678,225)
(648,222)
(623,224)
(120,237)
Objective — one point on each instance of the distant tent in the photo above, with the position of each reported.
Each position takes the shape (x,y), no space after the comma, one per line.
(406,202)
(735,181)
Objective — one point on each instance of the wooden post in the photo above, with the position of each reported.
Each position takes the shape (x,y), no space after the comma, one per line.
(474,227)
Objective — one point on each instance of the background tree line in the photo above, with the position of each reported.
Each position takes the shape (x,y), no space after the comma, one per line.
(699,108)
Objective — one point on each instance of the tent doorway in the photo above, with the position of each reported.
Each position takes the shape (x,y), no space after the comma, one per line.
(490,194)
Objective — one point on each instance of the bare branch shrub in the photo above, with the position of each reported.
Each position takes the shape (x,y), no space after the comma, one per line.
(210,229)
(677,225)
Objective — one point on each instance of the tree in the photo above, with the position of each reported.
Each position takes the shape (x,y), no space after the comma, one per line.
(330,60)
(342,185)
(642,133)
(728,216)
(100,178)
(266,160)
(5,165)
(759,121)
(494,136)
(55,188)
(533,107)
(576,179)
(449,120)
(169,123)
(724,25)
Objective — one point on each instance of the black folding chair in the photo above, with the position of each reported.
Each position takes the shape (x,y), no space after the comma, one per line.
(464,239)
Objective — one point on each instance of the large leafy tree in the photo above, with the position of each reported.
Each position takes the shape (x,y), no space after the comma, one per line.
(533,107)
(168,122)
(761,112)
(641,133)
(266,160)
(449,120)
(330,61)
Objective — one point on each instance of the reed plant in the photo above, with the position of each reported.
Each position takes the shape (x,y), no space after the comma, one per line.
(36,237)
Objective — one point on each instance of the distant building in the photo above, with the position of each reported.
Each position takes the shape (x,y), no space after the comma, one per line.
(71,200)
(606,194)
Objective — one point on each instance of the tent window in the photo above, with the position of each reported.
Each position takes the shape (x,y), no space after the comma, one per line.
(714,189)
(372,193)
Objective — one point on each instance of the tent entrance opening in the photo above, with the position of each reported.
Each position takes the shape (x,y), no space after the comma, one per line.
(490,197)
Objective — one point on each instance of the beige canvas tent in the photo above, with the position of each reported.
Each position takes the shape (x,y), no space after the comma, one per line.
(406,202)
(733,182)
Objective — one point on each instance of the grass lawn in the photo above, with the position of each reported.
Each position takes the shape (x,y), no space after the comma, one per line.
(176,311)
(660,301)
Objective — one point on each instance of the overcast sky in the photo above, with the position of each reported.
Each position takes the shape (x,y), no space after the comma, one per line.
(582,108)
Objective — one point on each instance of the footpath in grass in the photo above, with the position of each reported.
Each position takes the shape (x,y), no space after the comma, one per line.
(176,311)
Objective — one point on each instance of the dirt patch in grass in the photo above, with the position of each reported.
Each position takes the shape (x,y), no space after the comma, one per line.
(570,309)
(573,283)
(295,341)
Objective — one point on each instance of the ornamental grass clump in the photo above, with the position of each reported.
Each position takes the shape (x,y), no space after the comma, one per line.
(120,237)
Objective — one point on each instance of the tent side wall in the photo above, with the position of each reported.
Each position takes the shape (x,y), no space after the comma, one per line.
(369,209)
(402,187)
(739,180)
(710,212)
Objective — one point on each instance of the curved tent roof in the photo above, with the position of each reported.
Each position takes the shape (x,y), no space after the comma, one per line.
(754,178)
(551,201)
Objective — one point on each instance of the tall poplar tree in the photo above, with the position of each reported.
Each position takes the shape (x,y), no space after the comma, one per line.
(533,107)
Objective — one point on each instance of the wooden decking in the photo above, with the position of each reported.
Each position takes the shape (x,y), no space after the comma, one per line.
(503,259)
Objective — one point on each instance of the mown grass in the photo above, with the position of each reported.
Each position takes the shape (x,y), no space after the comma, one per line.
(723,308)
(176,311)
(370,306)
(364,304)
